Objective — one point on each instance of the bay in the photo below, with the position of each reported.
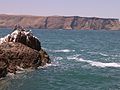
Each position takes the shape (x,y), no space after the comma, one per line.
(81,60)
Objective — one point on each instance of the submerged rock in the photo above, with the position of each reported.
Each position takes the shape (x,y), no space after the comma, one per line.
(21,49)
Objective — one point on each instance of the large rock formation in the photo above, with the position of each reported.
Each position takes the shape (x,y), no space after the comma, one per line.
(60,22)
(20,50)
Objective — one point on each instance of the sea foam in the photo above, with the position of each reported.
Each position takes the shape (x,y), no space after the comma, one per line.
(64,50)
(95,63)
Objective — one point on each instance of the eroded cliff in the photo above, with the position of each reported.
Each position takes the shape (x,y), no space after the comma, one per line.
(60,22)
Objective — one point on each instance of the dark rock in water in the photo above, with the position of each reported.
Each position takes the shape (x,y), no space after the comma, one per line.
(18,54)
(21,49)
(44,57)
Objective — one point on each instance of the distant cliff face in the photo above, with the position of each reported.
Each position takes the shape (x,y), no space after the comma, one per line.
(60,22)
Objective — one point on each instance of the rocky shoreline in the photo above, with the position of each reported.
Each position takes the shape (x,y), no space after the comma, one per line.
(21,50)
(60,22)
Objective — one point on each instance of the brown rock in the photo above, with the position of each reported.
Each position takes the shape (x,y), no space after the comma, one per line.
(21,50)
(3,66)
(19,55)
(44,57)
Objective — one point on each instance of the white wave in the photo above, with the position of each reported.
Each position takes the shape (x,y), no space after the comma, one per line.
(44,48)
(48,65)
(11,74)
(95,63)
(73,57)
(64,50)
(93,52)
(102,54)
(100,64)
(58,58)
(82,50)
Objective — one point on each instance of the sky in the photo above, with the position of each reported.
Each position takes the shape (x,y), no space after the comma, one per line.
(84,8)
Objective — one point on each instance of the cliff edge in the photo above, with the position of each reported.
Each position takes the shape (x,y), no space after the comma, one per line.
(59,22)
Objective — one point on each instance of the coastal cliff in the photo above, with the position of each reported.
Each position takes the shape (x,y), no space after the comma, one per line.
(59,22)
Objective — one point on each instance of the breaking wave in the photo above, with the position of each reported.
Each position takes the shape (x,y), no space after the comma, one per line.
(95,63)
(63,50)
(58,58)
(99,53)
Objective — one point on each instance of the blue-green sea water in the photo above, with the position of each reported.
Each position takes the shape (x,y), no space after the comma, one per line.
(81,60)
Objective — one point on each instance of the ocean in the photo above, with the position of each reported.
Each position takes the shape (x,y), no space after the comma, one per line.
(81,60)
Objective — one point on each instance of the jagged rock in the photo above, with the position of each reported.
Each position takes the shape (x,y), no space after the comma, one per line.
(44,57)
(23,36)
(21,50)
(18,54)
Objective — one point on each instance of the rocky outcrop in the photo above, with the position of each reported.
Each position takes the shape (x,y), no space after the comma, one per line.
(60,22)
(22,36)
(21,50)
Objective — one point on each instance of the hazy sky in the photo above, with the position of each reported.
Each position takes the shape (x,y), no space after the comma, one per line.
(94,8)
